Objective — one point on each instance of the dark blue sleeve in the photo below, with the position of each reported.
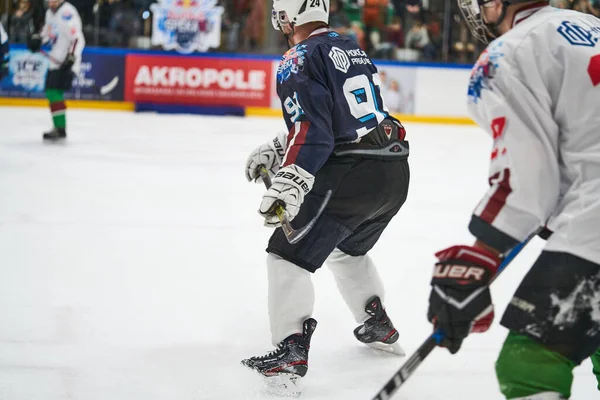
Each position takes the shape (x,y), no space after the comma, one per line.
(307,108)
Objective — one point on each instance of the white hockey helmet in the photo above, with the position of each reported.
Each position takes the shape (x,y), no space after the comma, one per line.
(299,12)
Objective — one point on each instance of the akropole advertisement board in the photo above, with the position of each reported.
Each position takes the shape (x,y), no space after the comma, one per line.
(198,80)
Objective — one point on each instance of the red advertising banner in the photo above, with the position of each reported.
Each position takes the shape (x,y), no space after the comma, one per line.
(198,80)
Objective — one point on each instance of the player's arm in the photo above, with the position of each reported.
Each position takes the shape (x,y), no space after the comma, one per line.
(44,33)
(522,194)
(38,37)
(71,28)
(307,105)
(74,30)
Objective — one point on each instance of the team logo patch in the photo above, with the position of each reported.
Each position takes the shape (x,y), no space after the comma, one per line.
(340,59)
(67,15)
(484,71)
(387,129)
(292,62)
(577,35)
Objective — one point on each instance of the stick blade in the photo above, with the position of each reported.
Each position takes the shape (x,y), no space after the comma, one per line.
(110,86)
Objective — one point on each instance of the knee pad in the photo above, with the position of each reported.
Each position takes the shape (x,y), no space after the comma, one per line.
(525,369)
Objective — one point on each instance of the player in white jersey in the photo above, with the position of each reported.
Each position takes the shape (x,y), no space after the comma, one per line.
(536,91)
(62,30)
(4,56)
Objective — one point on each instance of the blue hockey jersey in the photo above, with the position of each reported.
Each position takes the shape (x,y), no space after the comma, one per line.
(330,95)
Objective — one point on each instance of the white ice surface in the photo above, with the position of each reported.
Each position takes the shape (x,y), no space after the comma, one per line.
(132,265)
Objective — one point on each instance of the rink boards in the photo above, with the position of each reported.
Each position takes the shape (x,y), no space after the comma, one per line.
(222,84)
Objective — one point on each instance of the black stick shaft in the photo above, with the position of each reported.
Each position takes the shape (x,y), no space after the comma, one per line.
(407,369)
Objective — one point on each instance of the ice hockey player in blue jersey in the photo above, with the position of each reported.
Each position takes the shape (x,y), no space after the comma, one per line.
(4,56)
(340,138)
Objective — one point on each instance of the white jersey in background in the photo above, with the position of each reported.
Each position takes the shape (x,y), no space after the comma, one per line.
(3,43)
(4,52)
(62,30)
(3,35)
(536,90)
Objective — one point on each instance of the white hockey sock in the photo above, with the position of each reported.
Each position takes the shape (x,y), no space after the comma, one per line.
(291,297)
(357,280)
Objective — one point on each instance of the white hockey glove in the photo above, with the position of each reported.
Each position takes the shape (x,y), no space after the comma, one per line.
(289,187)
(269,154)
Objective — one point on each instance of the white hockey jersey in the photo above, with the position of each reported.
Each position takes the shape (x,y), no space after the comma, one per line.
(3,35)
(62,30)
(536,90)
(3,45)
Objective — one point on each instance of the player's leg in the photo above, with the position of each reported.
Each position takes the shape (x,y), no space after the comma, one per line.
(362,289)
(291,294)
(526,367)
(551,327)
(596,362)
(291,301)
(57,82)
(357,280)
(356,197)
(291,297)
(355,273)
(58,109)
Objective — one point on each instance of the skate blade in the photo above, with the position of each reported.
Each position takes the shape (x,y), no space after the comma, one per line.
(393,348)
(283,385)
(54,141)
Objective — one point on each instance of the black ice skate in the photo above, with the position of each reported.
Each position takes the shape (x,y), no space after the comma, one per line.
(55,134)
(287,364)
(378,331)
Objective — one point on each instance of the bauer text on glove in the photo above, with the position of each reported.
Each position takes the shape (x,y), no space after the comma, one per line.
(288,189)
(460,302)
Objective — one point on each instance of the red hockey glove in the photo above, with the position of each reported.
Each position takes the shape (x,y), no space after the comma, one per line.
(459,302)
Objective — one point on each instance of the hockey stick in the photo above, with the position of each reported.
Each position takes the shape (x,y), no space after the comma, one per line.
(437,337)
(293,235)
